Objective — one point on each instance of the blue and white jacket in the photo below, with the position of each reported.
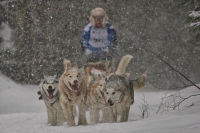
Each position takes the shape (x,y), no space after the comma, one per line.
(99,39)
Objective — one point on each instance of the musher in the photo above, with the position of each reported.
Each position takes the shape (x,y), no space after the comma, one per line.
(99,40)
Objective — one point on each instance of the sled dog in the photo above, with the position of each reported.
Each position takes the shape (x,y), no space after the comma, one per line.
(96,96)
(119,91)
(49,92)
(97,101)
(73,92)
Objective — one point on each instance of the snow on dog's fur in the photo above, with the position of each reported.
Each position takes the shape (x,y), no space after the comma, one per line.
(73,92)
(49,92)
(119,91)
(96,97)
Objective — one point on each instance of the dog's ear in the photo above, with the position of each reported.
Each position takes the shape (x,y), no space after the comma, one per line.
(75,65)
(99,77)
(45,76)
(56,81)
(67,63)
(106,79)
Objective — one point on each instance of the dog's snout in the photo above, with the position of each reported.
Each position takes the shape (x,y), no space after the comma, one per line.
(110,102)
(75,81)
(39,93)
(50,87)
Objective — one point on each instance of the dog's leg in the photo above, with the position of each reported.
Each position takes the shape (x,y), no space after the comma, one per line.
(115,112)
(94,116)
(71,111)
(60,116)
(74,111)
(91,116)
(51,113)
(105,115)
(81,109)
(70,118)
(127,113)
(48,114)
(111,114)
(53,116)
(124,113)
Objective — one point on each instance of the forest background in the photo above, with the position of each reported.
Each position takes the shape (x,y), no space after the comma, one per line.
(36,35)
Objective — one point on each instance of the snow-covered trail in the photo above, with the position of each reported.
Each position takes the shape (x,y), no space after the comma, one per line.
(22,112)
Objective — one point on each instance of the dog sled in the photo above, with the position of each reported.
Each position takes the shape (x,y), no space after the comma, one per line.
(98,63)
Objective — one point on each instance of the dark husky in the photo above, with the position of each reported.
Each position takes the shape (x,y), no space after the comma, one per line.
(119,91)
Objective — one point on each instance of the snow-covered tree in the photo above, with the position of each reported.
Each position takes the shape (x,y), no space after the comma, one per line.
(195,16)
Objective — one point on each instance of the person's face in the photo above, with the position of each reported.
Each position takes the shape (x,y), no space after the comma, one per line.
(98,21)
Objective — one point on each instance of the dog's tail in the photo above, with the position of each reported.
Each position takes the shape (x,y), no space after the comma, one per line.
(139,83)
(123,64)
(67,63)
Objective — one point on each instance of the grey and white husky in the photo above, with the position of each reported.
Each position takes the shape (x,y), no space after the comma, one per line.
(49,92)
(119,92)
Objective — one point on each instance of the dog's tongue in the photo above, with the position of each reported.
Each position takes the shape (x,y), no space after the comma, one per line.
(50,95)
(40,98)
(75,89)
(77,92)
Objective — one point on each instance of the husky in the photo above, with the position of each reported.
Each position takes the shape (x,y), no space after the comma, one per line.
(73,92)
(49,92)
(119,92)
(97,101)
(96,97)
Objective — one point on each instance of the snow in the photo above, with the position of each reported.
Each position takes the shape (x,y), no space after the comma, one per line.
(5,33)
(195,24)
(22,112)
(195,14)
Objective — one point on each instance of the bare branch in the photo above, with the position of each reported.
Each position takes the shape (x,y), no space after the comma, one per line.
(178,72)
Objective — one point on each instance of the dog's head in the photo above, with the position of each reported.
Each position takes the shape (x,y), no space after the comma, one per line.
(72,78)
(113,93)
(49,86)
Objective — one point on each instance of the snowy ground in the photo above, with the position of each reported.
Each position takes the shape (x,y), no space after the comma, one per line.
(22,112)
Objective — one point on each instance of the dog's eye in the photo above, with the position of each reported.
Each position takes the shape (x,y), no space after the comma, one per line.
(70,76)
(113,93)
(106,92)
(77,76)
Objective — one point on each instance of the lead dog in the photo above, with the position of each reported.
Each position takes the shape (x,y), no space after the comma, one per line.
(119,91)
(73,92)
(48,89)
(96,96)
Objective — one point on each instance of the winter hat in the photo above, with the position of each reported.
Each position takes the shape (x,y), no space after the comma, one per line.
(98,12)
